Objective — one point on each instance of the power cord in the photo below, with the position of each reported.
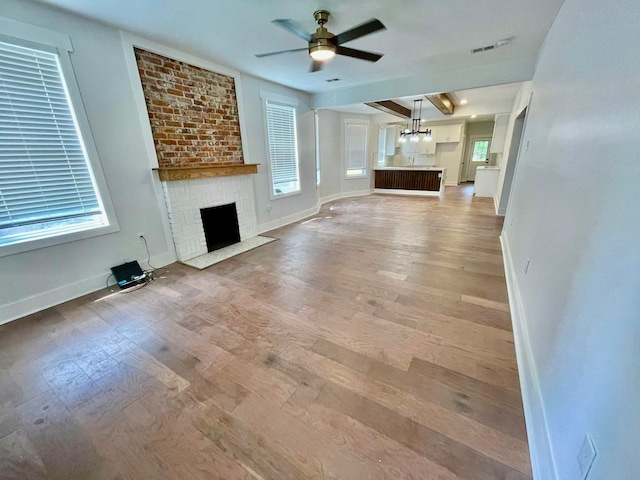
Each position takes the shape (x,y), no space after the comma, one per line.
(151,273)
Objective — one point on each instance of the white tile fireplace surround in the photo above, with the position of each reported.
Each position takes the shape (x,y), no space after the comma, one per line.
(185,198)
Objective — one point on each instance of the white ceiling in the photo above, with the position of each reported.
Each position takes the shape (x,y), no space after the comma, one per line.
(422,36)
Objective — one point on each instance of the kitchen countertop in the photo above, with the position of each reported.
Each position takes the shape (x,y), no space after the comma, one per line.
(420,168)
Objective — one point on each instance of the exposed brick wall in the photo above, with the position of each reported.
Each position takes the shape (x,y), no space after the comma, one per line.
(193,112)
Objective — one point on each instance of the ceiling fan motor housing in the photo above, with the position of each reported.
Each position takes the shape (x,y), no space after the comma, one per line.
(322,39)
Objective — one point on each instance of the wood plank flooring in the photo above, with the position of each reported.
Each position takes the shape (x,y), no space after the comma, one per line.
(372,342)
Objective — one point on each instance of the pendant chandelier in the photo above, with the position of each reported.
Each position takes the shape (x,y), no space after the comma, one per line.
(413,134)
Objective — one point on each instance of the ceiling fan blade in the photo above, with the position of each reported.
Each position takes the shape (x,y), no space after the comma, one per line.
(361,54)
(360,31)
(260,55)
(316,66)
(293,27)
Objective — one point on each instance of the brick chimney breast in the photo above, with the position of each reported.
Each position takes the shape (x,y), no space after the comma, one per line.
(193,113)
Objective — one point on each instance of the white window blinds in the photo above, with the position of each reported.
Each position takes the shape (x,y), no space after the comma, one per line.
(283,150)
(44,174)
(355,141)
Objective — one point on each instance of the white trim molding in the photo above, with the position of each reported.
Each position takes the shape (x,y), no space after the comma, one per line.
(296,217)
(542,462)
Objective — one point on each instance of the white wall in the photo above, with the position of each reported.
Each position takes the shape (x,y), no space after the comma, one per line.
(330,153)
(273,213)
(574,213)
(37,279)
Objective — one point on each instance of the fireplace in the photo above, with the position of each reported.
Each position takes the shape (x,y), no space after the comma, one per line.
(187,198)
(220,225)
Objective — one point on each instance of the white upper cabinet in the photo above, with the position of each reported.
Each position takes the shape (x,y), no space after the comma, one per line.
(427,148)
(448,133)
(391,140)
(409,148)
(499,133)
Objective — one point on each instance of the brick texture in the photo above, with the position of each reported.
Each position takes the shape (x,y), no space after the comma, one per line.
(193,112)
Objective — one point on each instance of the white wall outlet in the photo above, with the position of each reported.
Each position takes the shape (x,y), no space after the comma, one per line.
(586,456)
(526,267)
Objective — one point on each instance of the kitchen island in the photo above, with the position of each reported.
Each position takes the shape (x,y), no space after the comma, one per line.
(417,180)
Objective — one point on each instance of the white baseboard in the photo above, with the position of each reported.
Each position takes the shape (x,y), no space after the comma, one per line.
(281,222)
(542,462)
(64,293)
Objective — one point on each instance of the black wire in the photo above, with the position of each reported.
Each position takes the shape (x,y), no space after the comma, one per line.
(153,269)
(148,253)
(107,282)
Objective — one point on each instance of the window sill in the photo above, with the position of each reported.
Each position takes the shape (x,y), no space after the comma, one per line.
(356,177)
(36,244)
(284,195)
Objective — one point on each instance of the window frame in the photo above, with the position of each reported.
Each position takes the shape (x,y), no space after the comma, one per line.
(366,166)
(29,36)
(316,134)
(268,97)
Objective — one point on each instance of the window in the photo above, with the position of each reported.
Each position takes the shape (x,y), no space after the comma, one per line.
(47,186)
(283,148)
(480,150)
(382,146)
(355,149)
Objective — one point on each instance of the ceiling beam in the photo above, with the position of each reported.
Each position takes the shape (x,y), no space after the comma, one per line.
(442,102)
(394,108)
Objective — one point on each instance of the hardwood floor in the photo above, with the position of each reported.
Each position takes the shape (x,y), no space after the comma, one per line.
(371,342)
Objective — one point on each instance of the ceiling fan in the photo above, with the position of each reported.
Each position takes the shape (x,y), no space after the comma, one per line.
(324,45)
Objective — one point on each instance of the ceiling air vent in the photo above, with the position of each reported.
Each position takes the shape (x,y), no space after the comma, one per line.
(499,43)
(483,49)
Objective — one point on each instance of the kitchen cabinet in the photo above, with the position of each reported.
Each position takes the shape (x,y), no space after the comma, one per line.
(410,180)
(427,148)
(499,133)
(486,182)
(411,149)
(391,140)
(448,133)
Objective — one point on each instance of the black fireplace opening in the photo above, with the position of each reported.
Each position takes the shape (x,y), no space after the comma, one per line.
(220,226)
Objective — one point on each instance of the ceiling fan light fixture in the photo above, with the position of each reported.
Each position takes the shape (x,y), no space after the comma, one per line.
(322,53)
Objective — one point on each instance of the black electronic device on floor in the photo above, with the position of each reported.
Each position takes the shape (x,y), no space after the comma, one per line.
(128,274)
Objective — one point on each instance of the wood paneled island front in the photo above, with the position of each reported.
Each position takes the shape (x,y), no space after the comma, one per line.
(410,180)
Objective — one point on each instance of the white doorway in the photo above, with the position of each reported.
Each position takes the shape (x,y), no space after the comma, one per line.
(512,159)
(478,155)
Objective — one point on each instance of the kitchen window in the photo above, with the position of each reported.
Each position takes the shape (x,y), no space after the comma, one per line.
(355,148)
(48,188)
(282,147)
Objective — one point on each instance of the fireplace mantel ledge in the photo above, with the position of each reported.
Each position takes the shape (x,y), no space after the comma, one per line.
(169,174)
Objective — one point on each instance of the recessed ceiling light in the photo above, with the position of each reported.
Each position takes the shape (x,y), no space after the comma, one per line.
(473,116)
(463,101)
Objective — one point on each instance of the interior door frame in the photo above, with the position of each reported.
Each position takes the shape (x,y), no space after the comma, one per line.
(472,139)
